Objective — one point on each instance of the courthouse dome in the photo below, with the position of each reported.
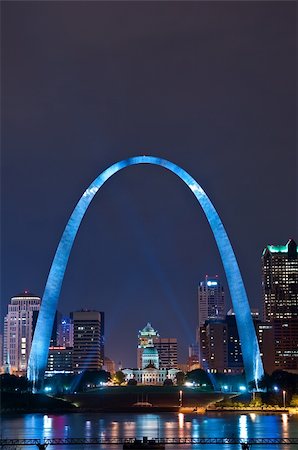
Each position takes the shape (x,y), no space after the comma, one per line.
(150,351)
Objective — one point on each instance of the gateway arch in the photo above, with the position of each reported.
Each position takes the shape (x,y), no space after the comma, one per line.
(41,340)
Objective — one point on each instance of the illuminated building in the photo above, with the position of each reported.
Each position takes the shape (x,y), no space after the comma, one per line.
(19,328)
(211,300)
(146,337)
(221,350)
(59,360)
(168,352)
(65,332)
(250,347)
(166,347)
(211,305)
(88,340)
(213,352)
(286,344)
(151,373)
(280,281)
(280,301)
(157,358)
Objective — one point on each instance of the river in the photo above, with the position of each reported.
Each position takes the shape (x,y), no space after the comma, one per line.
(152,425)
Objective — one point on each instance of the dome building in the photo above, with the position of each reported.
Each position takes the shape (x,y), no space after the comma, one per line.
(150,372)
(150,358)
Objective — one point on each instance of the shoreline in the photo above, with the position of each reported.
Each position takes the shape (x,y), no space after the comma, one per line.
(155,410)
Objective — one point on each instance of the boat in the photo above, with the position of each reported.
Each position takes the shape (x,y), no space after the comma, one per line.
(138,444)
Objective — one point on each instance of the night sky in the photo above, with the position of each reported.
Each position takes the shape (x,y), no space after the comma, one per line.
(208,85)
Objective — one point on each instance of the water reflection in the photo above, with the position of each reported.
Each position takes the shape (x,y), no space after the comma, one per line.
(151,425)
(285,424)
(243,427)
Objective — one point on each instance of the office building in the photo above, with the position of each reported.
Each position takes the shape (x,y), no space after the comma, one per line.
(214,346)
(167,351)
(59,361)
(88,340)
(286,344)
(280,281)
(65,332)
(18,331)
(220,349)
(280,306)
(211,300)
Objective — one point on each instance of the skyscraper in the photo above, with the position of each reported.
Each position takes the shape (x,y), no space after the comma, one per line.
(168,352)
(65,332)
(88,340)
(280,281)
(211,300)
(280,304)
(18,330)
(211,306)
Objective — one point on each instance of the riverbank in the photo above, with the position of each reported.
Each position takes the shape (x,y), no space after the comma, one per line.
(146,399)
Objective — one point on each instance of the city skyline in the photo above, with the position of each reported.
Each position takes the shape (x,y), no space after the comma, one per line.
(144,241)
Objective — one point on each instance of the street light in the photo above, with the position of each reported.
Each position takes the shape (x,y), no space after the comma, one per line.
(284,398)
(180,399)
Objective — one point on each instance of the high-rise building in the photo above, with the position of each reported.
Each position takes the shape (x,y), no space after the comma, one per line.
(88,340)
(59,360)
(213,351)
(235,360)
(65,332)
(280,305)
(211,300)
(167,351)
(220,349)
(18,330)
(280,281)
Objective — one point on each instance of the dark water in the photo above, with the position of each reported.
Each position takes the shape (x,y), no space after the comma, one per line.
(152,425)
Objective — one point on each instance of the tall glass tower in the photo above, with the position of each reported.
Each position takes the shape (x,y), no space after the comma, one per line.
(211,299)
(280,281)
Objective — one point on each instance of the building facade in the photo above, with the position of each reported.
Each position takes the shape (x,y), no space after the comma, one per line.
(220,350)
(146,337)
(280,281)
(18,331)
(167,347)
(59,361)
(211,300)
(280,307)
(65,332)
(150,372)
(88,340)
(168,352)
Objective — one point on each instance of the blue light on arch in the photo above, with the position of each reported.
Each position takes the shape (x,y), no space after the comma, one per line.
(41,340)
